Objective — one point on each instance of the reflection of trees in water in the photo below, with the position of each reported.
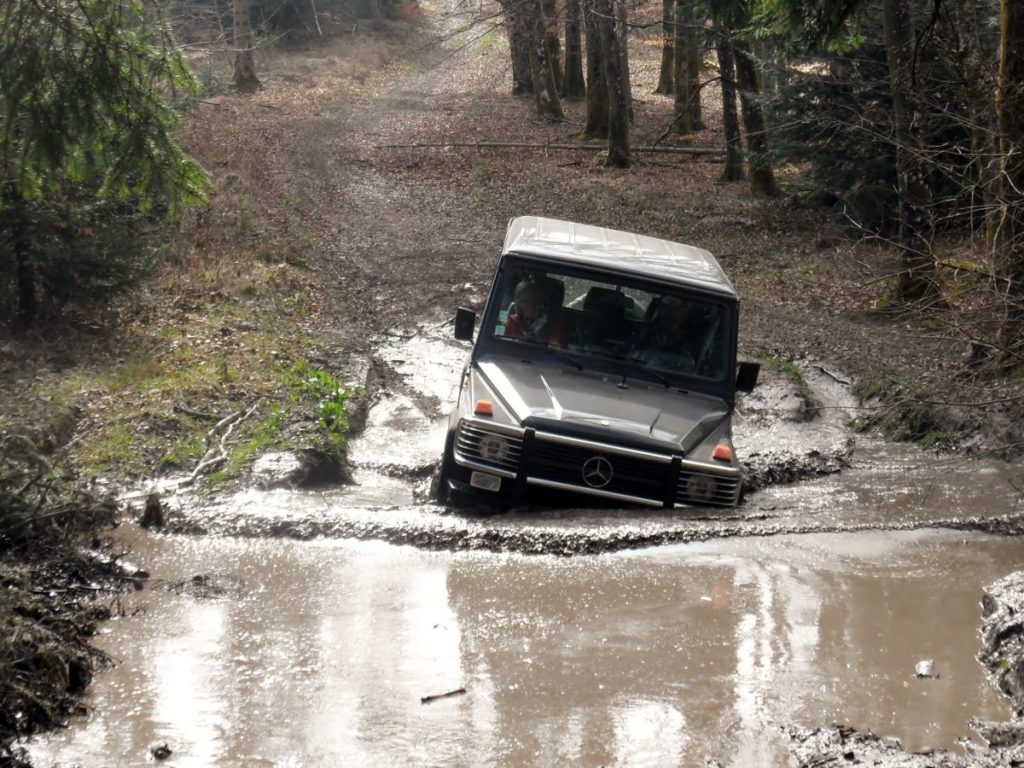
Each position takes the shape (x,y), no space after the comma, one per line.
(597,662)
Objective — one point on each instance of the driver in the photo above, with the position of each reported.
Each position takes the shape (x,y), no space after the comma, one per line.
(531,316)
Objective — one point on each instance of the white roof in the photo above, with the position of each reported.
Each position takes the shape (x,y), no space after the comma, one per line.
(640,255)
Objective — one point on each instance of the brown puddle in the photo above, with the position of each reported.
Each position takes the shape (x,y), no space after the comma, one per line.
(318,653)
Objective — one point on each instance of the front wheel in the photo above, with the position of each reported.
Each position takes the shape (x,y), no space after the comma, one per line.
(442,491)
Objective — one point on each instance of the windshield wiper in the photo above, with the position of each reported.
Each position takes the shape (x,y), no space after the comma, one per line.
(631,365)
(560,356)
(564,358)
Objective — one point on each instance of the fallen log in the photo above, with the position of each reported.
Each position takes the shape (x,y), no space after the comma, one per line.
(696,151)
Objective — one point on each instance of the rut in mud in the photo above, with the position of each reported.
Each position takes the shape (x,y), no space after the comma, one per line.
(804,476)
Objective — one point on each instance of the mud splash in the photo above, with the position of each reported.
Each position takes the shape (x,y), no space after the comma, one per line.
(881,486)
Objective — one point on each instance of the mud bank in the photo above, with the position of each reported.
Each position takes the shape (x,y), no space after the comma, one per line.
(1002,654)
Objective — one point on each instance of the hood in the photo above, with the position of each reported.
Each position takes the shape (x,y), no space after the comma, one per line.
(591,403)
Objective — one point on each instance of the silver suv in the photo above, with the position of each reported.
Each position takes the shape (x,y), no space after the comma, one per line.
(605,365)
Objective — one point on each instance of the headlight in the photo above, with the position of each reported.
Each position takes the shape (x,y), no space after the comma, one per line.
(493,448)
(701,488)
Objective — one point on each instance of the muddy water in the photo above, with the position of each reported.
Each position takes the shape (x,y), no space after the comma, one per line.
(581,637)
(318,653)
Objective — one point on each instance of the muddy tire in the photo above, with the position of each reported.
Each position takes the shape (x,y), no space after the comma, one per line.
(441,492)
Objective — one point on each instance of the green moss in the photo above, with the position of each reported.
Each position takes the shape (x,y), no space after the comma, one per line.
(937,439)
(183,452)
(899,413)
(112,447)
(791,371)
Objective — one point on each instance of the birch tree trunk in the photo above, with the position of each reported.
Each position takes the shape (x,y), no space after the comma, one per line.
(545,88)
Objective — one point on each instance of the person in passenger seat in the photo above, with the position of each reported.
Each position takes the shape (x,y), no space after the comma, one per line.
(668,343)
(532,316)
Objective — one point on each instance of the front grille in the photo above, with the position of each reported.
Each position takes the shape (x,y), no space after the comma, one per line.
(707,489)
(483,446)
(632,476)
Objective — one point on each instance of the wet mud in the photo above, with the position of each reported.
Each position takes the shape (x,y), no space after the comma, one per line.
(802,475)
(293,631)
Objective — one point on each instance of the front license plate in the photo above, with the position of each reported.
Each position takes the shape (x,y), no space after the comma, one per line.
(485,482)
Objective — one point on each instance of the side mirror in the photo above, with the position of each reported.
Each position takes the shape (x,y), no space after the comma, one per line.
(746,376)
(465,319)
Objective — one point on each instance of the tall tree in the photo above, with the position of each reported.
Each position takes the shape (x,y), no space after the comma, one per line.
(622,33)
(1010,233)
(695,53)
(545,85)
(596,125)
(666,85)
(517,15)
(918,279)
(245,65)
(574,86)
(733,170)
(83,101)
(619,154)
(762,174)
(681,62)
(552,42)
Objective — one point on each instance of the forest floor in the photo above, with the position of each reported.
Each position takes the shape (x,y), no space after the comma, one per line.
(326,232)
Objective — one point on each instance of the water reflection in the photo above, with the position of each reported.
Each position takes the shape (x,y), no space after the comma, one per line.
(663,657)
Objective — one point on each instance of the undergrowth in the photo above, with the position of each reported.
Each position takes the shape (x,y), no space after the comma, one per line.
(899,412)
(48,584)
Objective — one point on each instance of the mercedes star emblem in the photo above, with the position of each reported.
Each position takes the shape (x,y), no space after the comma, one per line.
(597,472)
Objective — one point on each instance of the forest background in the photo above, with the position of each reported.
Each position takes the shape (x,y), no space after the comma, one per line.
(171,257)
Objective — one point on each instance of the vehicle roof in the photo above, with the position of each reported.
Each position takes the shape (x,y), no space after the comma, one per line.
(604,248)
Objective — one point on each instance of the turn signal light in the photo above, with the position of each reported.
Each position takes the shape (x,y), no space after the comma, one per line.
(483,408)
(722,452)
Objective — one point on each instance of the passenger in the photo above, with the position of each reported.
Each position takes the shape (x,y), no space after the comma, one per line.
(667,341)
(532,315)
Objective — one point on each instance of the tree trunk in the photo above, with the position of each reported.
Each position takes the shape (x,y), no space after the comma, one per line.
(695,54)
(666,85)
(574,85)
(245,66)
(545,88)
(25,274)
(730,115)
(517,23)
(680,64)
(596,126)
(619,155)
(553,44)
(977,86)
(918,279)
(1010,236)
(622,37)
(762,176)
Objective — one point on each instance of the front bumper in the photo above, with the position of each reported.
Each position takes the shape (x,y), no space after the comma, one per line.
(506,461)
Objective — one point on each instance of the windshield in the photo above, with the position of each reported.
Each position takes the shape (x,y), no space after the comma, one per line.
(590,316)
